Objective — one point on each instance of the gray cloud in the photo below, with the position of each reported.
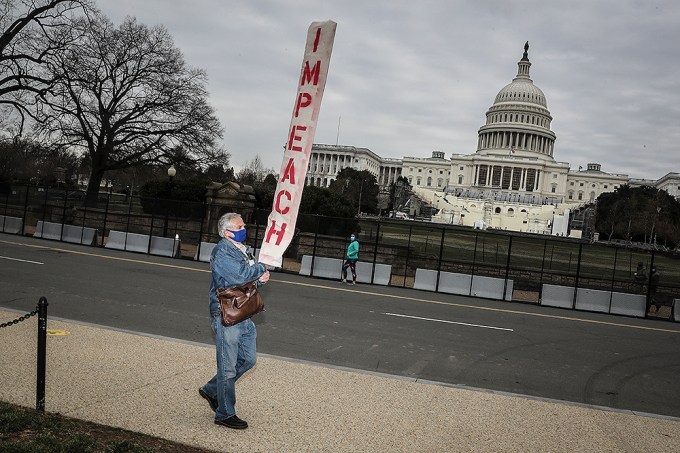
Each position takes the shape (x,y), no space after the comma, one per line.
(409,77)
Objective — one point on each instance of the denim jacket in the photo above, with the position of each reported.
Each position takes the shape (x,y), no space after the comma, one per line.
(229,267)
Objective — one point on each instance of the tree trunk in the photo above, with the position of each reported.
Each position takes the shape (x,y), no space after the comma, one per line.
(93,185)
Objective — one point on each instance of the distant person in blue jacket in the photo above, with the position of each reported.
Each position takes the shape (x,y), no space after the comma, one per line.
(351,260)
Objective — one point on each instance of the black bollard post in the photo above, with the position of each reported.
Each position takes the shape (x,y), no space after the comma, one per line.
(42,347)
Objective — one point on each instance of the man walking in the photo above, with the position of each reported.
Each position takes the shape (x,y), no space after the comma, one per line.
(230,266)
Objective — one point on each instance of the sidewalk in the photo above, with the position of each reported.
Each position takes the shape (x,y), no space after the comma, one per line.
(150,385)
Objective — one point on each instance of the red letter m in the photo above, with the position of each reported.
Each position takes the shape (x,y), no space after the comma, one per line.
(307,73)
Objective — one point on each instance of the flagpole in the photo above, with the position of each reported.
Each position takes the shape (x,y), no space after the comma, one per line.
(337,137)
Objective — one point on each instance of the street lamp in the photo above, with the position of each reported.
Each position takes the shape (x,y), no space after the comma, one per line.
(651,234)
(361,189)
(171,174)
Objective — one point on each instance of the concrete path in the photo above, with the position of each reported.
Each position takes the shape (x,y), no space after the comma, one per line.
(149,384)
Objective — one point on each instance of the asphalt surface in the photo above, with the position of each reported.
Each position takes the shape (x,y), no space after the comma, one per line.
(588,358)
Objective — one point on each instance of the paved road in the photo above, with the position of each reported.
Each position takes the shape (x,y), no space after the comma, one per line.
(582,357)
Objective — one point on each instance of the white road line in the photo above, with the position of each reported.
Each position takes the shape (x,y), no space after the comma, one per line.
(449,322)
(17,259)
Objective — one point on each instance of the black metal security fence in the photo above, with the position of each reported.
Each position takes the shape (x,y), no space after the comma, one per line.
(527,267)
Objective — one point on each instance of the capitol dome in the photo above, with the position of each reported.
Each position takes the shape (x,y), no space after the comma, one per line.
(521,90)
(518,122)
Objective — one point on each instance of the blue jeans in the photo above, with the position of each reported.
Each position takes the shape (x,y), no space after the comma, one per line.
(235,347)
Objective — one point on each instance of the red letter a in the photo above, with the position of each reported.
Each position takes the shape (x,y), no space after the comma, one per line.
(289,172)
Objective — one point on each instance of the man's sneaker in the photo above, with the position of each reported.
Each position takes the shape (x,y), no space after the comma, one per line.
(212,401)
(344,280)
(354,283)
(233,422)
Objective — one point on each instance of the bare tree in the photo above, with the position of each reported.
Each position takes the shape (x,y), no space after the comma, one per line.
(253,172)
(32,32)
(126,97)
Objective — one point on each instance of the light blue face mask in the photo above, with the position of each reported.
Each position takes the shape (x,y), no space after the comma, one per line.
(239,236)
(352,238)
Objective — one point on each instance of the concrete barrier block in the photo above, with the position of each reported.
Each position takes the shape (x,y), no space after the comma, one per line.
(454,283)
(135,242)
(327,267)
(425,279)
(48,230)
(491,288)
(381,276)
(592,300)
(306,265)
(205,251)
(79,235)
(628,304)
(557,296)
(12,225)
(332,268)
(676,310)
(115,240)
(163,246)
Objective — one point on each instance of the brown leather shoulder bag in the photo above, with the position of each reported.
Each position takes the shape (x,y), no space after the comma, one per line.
(239,303)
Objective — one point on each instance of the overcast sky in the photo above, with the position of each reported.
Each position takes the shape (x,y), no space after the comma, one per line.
(407,77)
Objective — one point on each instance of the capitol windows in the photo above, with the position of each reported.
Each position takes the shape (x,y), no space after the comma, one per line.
(571,194)
(580,195)
(553,188)
(410,179)
(511,212)
(418,181)
(497,210)
(430,172)
(441,172)
(581,184)
(440,181)
(460,168)
(460,179)
(571,183)
(420,170)
(429,181)
(605,186)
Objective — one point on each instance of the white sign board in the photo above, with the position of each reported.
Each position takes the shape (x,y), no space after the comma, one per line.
(281,222)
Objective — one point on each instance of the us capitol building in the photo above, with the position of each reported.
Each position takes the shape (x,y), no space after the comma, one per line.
(511,182)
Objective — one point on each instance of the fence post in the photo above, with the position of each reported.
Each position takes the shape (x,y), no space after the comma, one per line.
(649,284)
(507,270)
(611,289)
(408,253)
(148,247)
(375,250)
(200,238)
(63,216)
(439,262)
(42,346)
(578,271)
(23,220)
(106,215)
(316,234)
(474,260)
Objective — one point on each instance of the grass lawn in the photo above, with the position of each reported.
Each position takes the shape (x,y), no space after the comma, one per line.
(24,430)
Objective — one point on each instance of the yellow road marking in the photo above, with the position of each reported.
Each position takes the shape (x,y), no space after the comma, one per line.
(57,333)
(130,260)
(369,293)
